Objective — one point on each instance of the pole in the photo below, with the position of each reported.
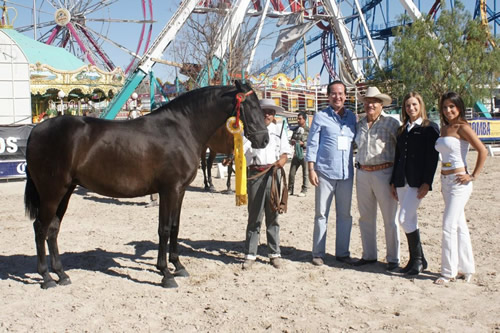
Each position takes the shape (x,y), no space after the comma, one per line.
(305,48)
(34,19)
(257,36)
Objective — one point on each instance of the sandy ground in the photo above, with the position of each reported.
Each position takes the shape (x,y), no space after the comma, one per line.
(109,249)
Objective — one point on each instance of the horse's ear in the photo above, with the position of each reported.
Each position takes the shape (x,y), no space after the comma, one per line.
(238,85)
(243,87)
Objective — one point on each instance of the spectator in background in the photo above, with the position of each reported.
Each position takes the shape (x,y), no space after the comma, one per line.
(299,143)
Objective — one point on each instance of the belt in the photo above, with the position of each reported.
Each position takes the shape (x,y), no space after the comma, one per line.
(374,167)
(257,167)
(453,171)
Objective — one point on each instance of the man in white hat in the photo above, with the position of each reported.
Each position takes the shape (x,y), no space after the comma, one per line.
(275,154)
(376,141)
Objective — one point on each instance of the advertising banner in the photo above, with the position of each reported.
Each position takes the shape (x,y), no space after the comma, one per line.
(13,150)
(486,129)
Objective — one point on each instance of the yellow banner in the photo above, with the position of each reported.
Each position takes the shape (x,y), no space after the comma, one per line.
(486,129)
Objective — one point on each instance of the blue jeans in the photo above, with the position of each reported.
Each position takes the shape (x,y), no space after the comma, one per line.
(325,191)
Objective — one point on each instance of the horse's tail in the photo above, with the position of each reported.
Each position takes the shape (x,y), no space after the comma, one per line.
(31,197)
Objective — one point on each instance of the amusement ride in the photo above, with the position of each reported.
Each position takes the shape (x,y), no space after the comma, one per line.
(84,28)
(347,36)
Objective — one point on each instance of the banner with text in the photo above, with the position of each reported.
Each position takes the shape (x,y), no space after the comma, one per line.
(13,150)
(486,129)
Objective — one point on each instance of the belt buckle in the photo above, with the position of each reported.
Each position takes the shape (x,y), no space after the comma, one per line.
(446,165)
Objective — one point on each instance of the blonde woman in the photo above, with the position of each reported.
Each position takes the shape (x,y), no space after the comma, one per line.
(457,260)
(415,164)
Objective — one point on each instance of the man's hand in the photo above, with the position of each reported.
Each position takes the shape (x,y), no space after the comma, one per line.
(394,193)
(313,178)
(282,161)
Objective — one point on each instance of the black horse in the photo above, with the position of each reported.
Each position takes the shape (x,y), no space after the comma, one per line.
(157,153)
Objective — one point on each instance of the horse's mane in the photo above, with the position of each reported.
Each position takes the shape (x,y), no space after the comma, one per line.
(193,99)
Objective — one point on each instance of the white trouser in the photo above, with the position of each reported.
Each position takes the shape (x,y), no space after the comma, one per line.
(373,187)
(408,205)
(456,252)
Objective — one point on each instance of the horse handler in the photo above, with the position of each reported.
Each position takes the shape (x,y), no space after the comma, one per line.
(265,167)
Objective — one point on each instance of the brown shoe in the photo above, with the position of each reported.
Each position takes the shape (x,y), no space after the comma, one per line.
(317,261)
(247,264)
(276,262)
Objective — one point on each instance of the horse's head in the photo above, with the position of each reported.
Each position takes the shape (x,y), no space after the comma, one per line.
(251,114)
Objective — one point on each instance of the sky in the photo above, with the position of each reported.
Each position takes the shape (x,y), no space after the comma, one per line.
(127,34)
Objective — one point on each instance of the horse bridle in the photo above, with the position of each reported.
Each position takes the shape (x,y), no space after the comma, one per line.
(240,98)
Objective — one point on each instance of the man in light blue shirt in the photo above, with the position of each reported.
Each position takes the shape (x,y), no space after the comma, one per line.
(331,171)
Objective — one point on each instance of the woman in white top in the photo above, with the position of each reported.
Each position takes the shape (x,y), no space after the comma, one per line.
(457,260)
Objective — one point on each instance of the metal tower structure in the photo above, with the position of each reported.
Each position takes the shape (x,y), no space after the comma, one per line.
(350,32)
(380,18)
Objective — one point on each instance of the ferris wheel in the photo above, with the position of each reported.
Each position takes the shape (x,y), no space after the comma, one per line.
(92,30)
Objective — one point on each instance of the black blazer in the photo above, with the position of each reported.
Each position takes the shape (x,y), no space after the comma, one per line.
(416,159)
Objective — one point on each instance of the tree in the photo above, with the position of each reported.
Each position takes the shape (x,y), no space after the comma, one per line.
(197,45)
(432,57)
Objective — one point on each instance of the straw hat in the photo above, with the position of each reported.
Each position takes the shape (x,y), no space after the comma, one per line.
(268,103)
(373,92)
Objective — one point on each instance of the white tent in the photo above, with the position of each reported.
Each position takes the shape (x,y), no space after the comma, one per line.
(15,96)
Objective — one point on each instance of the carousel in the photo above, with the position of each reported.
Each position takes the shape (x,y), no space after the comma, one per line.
(56,81)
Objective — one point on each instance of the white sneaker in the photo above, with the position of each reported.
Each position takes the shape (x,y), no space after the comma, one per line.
(301,194)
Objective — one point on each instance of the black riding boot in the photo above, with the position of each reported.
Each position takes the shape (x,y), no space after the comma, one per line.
(417,260)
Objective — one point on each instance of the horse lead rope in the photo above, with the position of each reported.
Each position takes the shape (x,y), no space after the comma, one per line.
(279,203)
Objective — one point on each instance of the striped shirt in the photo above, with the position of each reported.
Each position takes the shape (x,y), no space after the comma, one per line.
(376,145)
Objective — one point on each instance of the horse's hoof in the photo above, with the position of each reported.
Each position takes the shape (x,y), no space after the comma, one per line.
(181,273)
(228,192)
(64,282)
(212,189)
(169,283)
(48,284)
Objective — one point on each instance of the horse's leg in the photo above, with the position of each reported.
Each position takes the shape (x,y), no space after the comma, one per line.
(53,231)
(210,162)
(180,270)
(229,173)
(41,225)
(170,207)
(204,169)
